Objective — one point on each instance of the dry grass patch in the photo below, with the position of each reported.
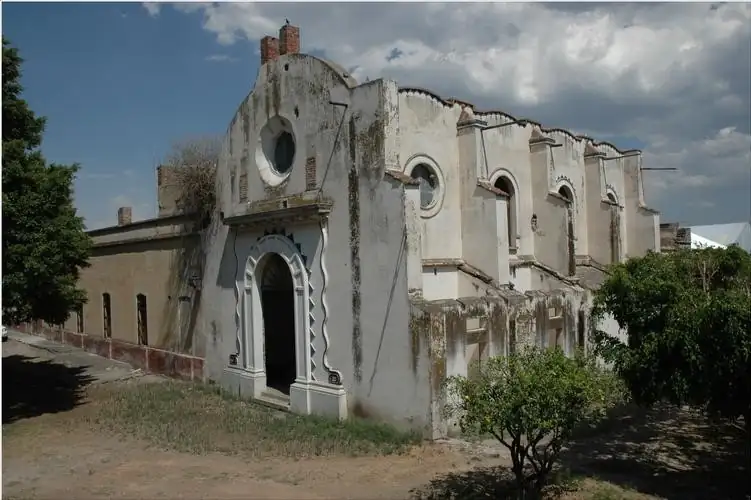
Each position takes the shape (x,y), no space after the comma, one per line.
(498,483)
(200,419)
(592,489)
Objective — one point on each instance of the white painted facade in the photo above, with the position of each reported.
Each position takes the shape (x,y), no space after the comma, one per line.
(396,285)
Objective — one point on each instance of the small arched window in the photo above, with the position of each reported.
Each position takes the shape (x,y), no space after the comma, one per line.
(566,193)
(504,184)
(615,229)
(107,315)
(142,317)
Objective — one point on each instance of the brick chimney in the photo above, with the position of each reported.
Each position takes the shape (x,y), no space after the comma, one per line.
(289,40)
(269,49)
(124,216)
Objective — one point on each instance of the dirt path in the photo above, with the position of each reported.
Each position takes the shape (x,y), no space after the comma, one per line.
(48,451)
(51,456)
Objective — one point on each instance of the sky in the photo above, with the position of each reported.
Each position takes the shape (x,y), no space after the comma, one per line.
(120,83)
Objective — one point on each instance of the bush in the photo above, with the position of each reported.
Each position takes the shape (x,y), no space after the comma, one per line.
(531,402)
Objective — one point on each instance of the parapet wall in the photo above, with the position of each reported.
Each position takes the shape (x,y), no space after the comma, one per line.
(148,359)
(455,334)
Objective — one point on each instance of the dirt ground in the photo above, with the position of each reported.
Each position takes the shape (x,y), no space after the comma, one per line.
(49,451)
(50,454)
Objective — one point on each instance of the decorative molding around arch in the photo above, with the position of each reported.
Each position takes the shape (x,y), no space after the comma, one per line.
(423,159)
(250,306)
(561,181)
(515,210)
(611,192)
(335,376)
(502,172)
(246,373)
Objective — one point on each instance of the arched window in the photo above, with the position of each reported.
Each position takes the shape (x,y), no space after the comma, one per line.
(504,184)
(142,316)
(565,191)
(107,315)
(615,229)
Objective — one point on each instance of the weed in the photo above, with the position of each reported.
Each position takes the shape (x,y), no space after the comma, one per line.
(200,419)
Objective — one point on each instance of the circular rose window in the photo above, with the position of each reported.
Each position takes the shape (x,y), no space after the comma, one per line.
(275,152)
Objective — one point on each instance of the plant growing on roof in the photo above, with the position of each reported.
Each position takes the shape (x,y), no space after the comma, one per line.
(195,164)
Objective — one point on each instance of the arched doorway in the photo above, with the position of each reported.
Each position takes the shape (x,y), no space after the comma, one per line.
(565,191)
(504,184)
(276,288)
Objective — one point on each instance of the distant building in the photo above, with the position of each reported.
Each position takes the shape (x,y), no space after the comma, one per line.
(673,236)
(724,235)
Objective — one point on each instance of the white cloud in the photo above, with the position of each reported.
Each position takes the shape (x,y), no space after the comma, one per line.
(220,58)
(153,8)
(675,78)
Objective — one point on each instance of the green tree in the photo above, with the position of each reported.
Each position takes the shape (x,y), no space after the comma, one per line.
(44,243)
(687,315)
(531,402)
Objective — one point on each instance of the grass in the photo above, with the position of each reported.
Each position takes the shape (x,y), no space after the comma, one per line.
(498,482)
(200,419)
(592,489)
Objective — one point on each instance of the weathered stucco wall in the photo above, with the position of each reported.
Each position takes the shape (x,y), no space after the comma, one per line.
(427,133)
(568,165)
(352,144)
(600,215)
(642,223)
(378,347)
(154,264)
(456,334)
(508,155)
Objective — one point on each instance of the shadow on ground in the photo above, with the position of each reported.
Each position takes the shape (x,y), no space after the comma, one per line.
(668,452)
(480,483)
(32,388)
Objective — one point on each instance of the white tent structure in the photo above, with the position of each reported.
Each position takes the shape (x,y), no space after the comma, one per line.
(700,242)
(724,235)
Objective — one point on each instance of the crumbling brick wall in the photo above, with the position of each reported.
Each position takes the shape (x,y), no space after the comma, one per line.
(168,191)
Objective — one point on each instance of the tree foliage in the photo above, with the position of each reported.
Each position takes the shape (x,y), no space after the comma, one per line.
(44,242)
(687,315)
(531,402)
(195,161)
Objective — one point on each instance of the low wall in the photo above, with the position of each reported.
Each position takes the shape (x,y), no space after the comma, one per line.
(148,359)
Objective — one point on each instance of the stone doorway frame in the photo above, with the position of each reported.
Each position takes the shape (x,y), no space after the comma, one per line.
(245,375)
(252,334)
